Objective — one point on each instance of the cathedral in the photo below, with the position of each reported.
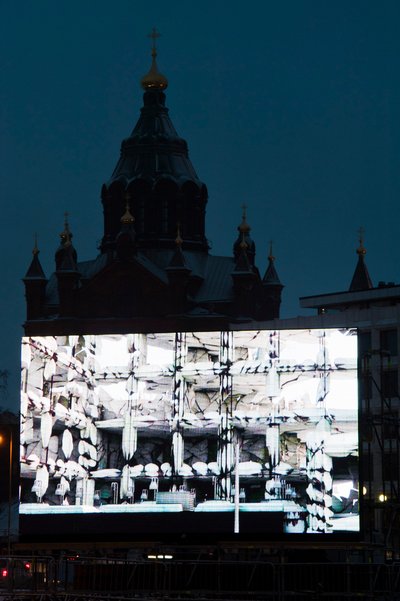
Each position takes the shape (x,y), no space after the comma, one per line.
(154,253)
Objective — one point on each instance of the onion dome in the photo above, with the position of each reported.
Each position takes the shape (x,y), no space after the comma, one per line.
(66,256)
(361,279)
(244,238)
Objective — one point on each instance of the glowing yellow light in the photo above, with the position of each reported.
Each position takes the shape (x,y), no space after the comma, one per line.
(382,498)
(364,490)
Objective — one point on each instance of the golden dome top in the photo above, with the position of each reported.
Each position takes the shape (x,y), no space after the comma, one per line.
(243,244)
(244,227)
(66,235)
(154,80)
(127,217)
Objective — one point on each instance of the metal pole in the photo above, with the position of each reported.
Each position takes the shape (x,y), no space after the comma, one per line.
(10,452)
(237,484)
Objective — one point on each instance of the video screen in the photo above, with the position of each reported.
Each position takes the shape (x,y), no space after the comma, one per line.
(240,431)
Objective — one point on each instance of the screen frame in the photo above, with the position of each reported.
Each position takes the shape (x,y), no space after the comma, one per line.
(122,527)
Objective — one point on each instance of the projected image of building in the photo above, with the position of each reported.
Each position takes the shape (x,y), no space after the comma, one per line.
(262,421)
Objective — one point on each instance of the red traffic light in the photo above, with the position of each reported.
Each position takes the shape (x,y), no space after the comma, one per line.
(4,573)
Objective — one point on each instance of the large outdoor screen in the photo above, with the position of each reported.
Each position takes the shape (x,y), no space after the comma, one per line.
(234,431)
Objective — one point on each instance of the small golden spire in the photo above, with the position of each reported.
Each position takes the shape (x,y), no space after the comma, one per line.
(35,250)
(271,256)
(178,239)
(244,226)
(361,249)
(154,80)
(66,234)
(127,217)
(243,243)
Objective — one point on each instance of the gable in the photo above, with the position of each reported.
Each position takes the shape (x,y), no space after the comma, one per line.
(123,289)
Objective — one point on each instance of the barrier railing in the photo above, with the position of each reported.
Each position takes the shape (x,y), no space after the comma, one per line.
(73,577)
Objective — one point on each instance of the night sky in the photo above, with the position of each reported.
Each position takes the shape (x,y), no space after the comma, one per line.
(290,107)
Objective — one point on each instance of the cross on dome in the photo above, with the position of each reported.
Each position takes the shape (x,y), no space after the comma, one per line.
(154,35)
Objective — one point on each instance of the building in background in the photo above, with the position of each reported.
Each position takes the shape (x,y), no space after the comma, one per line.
(9,479)
(375,312)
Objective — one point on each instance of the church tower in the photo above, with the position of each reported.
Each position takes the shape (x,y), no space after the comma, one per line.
(361,279)
(155,169)
(154,254)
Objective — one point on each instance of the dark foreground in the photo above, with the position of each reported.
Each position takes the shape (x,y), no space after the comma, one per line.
(205,575)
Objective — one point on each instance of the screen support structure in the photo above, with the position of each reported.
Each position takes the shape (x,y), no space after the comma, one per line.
(178,404)
(225,447)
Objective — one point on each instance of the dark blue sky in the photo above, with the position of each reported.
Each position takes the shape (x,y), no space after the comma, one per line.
(291,107)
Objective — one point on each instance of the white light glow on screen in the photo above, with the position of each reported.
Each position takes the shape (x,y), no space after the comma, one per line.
(253,423)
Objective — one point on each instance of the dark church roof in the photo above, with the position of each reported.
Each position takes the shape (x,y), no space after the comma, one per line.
(271,277)
(361,279)
(154,150)
(214,272)
(35,270)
